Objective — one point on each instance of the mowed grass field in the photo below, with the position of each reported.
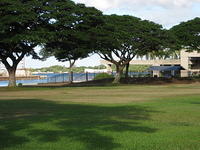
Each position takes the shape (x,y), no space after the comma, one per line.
(160,117)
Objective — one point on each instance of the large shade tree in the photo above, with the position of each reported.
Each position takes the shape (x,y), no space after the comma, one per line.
(121,38)
(71,39)
(25,24)
(188,34)
(21,30)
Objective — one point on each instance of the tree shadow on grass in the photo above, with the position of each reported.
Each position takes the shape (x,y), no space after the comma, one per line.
(197,103)
(47,121)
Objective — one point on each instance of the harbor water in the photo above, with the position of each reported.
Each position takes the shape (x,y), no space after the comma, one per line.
(54,78)
(64,77)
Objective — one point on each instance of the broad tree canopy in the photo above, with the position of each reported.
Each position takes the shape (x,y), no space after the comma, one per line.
(26,24)
(188,34)
(20,31)
(71,38)
(121,38)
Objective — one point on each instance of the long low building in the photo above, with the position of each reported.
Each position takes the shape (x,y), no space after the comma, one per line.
(189,64)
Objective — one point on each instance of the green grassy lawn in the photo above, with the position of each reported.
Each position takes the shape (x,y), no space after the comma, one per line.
(101,118)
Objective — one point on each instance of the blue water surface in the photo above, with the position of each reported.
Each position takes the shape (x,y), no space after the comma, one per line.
(53,78)
(25,82)
(63,77)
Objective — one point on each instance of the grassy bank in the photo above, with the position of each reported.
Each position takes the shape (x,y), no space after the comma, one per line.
(101,118)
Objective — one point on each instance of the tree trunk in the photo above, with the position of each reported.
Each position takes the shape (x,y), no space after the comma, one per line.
(127,70)
(119,72)
(12,68)
(12,77)
(70,76)
(71,64)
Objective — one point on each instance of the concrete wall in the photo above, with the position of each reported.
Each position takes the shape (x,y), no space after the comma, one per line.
(185,61)
(185,58)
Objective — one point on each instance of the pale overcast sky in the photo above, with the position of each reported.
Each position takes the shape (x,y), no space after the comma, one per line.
(165,12)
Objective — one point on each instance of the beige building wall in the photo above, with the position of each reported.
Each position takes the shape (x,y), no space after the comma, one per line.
(184,59)
(185,62)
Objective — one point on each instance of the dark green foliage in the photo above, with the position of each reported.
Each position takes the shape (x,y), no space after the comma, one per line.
(71,29)
(20,28)
(103,76)
(20,84)
(121,38)
(188,34)
(134,68)
(128,36)
(59,25)
(55,69)
(21,31)
(65,69)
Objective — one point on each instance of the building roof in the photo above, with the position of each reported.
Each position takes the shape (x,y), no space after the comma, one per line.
(165,68)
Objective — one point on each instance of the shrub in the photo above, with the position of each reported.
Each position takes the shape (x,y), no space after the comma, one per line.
(20,84)
(103,76)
